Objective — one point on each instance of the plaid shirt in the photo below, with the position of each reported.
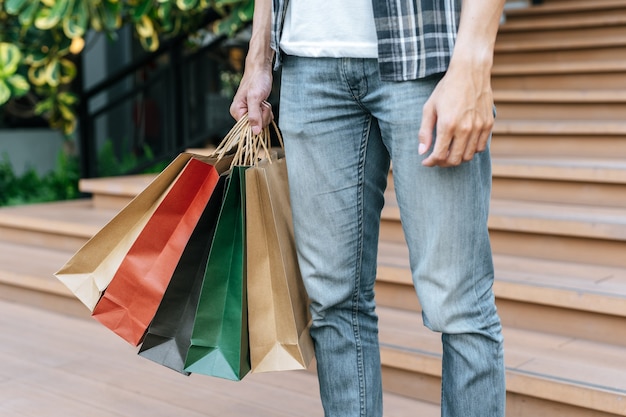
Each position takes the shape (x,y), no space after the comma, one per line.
(415,37)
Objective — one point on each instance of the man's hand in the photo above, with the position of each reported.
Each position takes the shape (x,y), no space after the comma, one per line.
(460,111)
(256,84)
(251,98)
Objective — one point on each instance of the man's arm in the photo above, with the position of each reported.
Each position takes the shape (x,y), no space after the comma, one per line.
(256,84)
(460,109)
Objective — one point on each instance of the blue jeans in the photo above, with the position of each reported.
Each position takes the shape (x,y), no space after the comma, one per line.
(342,125)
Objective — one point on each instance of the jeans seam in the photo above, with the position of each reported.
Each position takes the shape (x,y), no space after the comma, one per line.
(478,191)
(359,267)
(356,95)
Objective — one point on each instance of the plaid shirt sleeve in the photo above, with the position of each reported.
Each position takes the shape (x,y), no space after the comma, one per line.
(415,37)
(279,8)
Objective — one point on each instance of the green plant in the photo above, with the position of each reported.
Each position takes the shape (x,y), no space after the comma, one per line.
(62,182)
(109,164)
(11,83)
(30,187)
(41,38)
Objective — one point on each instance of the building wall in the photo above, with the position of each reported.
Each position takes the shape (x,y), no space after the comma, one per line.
(36,148)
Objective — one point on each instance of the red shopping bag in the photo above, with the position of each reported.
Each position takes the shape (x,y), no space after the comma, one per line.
(135,292)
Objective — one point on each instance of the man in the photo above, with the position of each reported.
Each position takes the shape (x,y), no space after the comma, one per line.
(365,82)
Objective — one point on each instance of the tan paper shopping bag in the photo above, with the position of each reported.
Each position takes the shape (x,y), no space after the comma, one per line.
(278,314)
(90,270)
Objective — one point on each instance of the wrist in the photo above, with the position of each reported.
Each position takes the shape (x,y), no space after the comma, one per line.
(475,60)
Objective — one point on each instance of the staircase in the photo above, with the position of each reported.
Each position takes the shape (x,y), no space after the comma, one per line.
(557,223)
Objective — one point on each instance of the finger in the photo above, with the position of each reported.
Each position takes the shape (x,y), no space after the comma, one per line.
(441,150)
(485,134)
(238,108)
(267,113)
(427,127)
(483,140)
(471,148)
(255,115)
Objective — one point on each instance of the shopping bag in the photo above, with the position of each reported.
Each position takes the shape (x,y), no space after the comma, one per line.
(133,296)
(219,340)
(92,267)
(278,313)
(169,336)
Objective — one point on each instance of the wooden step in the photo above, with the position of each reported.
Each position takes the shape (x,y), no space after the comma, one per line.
(564,298)
(27,277)
(551,74)
(605,223)
(559,40)
(562,13)
(553,144)
(63,225)
(560,180)
(54,365)
(563,111)
(577,105)
(114,193)
(595,128)
(557,191)
(583,233)
(572,233)
(589,222)
(580,67)
(581,20)
(567,376)
(603,75)
(589,170)
(560,96)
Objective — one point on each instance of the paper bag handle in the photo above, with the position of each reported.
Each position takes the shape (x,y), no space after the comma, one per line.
(249,148)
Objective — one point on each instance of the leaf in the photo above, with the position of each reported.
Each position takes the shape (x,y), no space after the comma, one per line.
(68,71)
(142,8)
(10,57)
(69,126)
(164,13)
(19,85)
(66,112)
(145,27)
(67,98)
(48,18)
(185,5)
(36,57)
(44,106)
(53,73)
(27,16)
(14,6)
(5,92)
(245,11)
(150,43)
(37,75)
(94,17)
(111,13)
(75,23)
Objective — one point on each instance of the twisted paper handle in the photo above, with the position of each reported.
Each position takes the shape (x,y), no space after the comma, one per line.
(249,148)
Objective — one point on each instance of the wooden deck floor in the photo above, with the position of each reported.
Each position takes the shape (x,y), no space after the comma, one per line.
(52,365)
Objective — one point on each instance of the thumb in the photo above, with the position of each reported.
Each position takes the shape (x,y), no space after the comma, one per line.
(255,116)
(425,135)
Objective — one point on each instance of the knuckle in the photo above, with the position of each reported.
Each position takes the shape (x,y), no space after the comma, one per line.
(464,128)
(468,157)
(455,160)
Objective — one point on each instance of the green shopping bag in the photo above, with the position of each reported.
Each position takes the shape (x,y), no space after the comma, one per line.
(219,340)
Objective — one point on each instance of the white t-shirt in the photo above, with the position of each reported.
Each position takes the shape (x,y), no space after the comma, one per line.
(330,28)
